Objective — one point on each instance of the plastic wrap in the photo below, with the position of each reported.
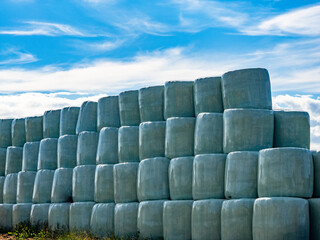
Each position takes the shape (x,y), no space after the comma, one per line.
(314,211)
(13,160)
(47,158)
(10,188)
(6,222)
(30,156)
(18,132)
(25,185)
(107,151)
(51,124)
(80,216)
(34,128)
(102,220)
(151,103)
(62,185)
(108,112)
(67,151)
(2,178)
(129,108)
(58,218)
(43,186)
(128,144)
(125,219)
(5,133)
(87,148)
(103,183)
(39,214)
(3,153)
(21,213)
(68,120)
(87,119)
(83,183)
(316,166)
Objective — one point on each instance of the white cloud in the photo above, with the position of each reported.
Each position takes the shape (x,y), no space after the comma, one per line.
(17,57)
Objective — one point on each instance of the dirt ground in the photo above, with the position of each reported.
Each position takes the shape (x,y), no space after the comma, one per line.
(6,236)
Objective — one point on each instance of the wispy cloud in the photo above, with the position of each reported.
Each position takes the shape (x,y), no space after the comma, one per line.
(14,56)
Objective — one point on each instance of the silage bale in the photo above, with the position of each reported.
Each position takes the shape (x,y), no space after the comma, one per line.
(179,137)
(2,179)
(102,220)
(3,154)
(5,133)
(58,217)
(62,185)
(43,186)
(151,103)
(246,88)
(280,218)
(241,175)
(47,158)
(51,124)
(178,99)
(67,151)
(291,129)
(208,135)
(87,118)
(247,129)
(18,132)
(125,182)
(285,172)
(180,178)
(129,108)
(80,215)
(125,219)
(236,219)
(87,148)
(21,213)
(108,112)
(34,128)
(10,188)
(68,120)
(107,151)
(206,219)
(39,214)
(83,183)
(150,219)
(153,182)
(208,176)
(316,166)
(13,160)
(314,211)
(128,144)
(103,183)
(6,222)
(25,183)
(30,156)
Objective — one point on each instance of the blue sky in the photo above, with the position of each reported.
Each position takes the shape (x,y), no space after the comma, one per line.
(59,53)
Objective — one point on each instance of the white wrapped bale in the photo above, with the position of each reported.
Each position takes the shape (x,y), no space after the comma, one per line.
(128,144)
(285,172)
(39,214)
(21,213)
(246,88)
(5,133)
(153,182)
(125,219)
(247,129)
(62,185)
(291,129)
(178,99)
(13,160)
(6,222)
(43,186)
(208,176)
(83,183)
(102,220)
(30,156)
(3,153)
(129,108)
(68,120)
(206,219)
(316,166)
(280,218)
(125,182)
(25,185)
(179,137)
(314,211)
(2,178)
(47,158)
(87,119)
(51,124)
(103,184)
(108,112)
(241,175)
(107,152)
(87,148)
(208,135)
(180,178)
(151,101)
(67,151)
(34,128)
(10,188)
(236,219)
(58,216)
(18,132)
(80,216)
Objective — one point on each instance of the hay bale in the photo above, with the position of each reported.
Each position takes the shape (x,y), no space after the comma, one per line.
(87,118)
(107,152)
(58,218)
(128,144)
(67,151)
(314,211)
(39,215)
(102,220)
(51,124)
(25,183)
(21,213)
(43,186)
(125,219)
(68,120)
(3,153)
(151,101)
(103,184)
(13,160)
(30,156)
(6,222)
(83,183)
(316,166)
(34,129)
(10,188)
(62,185)
(18,132)
(5,133)
(2,179)
(108,112)
(47,158)
(129,108)
(80,216)
(87,148)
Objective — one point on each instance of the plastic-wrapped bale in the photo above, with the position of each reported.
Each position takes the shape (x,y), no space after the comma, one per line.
(5,133)
(25,185)
(236,219)
(80,216)
(51,124)
(179,137)
(87,119)
(21,213)
(102,220)
(67,151)
(291,129)
(314,211)
(108,112)
(87,148)
(3,153)
(18,132)
(13,160)
(129,108)
(316,166)
(246,88)
(30,156)
(58,218)
(62,185)
(68,120)
(103,184)
(10,188)
(152,139)
(151,101)
(107,151)
(150,219)
(153,182)
(178,99)
(125,219)
(241,175)
(180,178)
(2,178)
(206,219)
(208,176)
(280,218)
(39,214)
(43,186)
(83,183)
(6,222)
(208,135)
(285,172)
(34,128)
(247,129)
(48,154)
(128,144)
